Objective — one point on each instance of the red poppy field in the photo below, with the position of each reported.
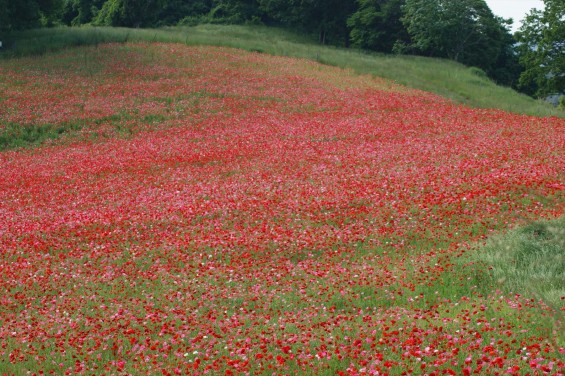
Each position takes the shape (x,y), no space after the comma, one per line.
(212,211)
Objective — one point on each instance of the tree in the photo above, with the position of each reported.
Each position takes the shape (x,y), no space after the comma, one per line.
(4,15)
(376,25)
(234,11)
(129,13)
(542,50)
(332,18)
(327,18)
(506,70)
(25,14)
(462,30)
(174,11)
(80,12)
(49,11)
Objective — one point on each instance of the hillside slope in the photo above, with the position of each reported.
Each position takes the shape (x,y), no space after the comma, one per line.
(446,78)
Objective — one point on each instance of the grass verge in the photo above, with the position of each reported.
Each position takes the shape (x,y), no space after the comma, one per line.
(530,261)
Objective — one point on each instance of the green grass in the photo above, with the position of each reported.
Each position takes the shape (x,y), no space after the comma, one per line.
(446,78)
(15,136)
(530,261)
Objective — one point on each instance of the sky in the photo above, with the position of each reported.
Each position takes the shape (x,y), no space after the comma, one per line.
(515,9)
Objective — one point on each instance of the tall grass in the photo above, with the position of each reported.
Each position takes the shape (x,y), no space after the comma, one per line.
(531,261)
(446,78)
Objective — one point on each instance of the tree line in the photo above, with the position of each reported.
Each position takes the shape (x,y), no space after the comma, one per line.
(466,31)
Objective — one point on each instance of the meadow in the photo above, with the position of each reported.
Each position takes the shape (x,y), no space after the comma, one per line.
(183,209)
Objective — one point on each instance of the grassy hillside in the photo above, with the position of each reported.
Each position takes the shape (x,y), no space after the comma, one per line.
(446,78)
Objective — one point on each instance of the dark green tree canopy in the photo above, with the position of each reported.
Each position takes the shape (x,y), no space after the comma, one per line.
(130,13)
(80,12)
(25,14)
(376,25)
(461,30)
(542,49)
(327,18)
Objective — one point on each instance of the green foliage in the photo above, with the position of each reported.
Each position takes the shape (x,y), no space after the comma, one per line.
(376,25)
(25,14)
(80,12)
(222,12)
(173,11)
(129,13)
(111,14)
(462,30)
(234,11)
(17,15)
(4,16)
(50,11)
(144,13)
(326,18)
(530,261)
(542,49)
(506,70)
(280,10)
